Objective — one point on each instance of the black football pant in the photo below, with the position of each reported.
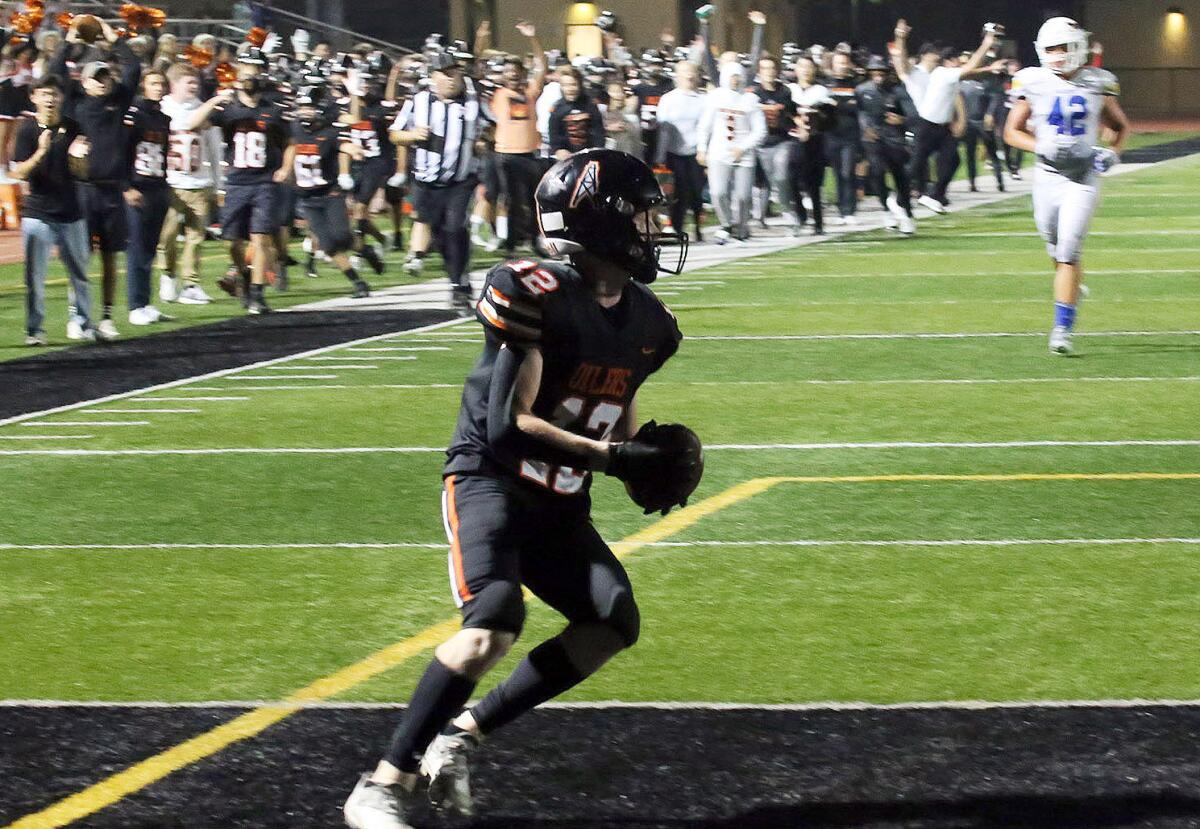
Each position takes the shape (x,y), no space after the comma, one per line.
(689,189)
(519,176)
(889,157)
(145,228)
(445,209)
(842,156)
(971,139)
(806,170)
(933,140)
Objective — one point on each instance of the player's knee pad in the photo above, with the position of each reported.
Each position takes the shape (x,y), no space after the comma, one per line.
(498,606)
(624,617)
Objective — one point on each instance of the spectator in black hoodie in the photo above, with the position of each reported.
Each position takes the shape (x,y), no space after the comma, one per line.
(575,122)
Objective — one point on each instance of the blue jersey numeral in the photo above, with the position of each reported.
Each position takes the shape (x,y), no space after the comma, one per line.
(1072,122)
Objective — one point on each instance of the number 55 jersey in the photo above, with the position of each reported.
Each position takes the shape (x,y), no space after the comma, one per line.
(594,360)
(1065,111)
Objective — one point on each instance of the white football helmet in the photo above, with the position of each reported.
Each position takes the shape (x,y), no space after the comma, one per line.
(1062,31)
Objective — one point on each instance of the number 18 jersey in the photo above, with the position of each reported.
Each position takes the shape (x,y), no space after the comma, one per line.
(1062,110)
(254,140)
(593,361)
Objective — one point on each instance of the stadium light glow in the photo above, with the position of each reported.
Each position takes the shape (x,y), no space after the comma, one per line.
(1175,24)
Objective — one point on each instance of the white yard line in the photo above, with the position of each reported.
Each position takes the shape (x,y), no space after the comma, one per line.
(46,437)
(189,399)
(956,335)
(739,447)
(355,359)
(44,423)
(403,348)
(174,384)
(801,542)
(332,386)
(242,377)
(359,366)
(890,381)
(142,411)
(955,705)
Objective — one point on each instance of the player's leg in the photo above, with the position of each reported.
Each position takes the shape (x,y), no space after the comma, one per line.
(456,238)
(570,568)
(1049,190)
(1078,203)
(235,229)
(990,147)
(481,515)
(329,220)
(743,197)
(970,145)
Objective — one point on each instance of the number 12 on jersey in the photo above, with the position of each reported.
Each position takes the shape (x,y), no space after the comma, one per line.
(601,420)
(1072,121)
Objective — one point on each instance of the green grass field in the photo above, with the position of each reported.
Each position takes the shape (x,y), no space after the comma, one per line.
(216,261)
(810,590)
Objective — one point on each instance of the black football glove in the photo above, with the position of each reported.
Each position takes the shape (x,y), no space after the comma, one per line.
(633,459)
(661,466)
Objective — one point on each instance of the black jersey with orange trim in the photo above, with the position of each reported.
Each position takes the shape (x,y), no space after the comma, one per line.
(593,361)
(370,132)
(317,152)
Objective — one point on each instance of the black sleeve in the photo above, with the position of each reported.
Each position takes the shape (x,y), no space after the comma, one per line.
(131,72)
(671,339)
(558,131)
(26,141)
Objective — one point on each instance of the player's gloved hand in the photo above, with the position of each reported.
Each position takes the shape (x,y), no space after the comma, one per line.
(1105,159)
(271,44)
(300,41)
(346,181)
(633,459)
(397,180)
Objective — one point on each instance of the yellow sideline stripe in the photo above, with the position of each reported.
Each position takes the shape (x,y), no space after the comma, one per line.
(1019,476)
(124,783)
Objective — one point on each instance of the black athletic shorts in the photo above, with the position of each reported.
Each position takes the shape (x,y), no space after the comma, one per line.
(329,222)
(370,176)
(490,177)
(504,533)
(103,207)
(249,208)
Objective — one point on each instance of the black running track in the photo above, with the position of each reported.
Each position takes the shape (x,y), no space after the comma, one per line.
(1066,768)
(74,375)
(1161,152)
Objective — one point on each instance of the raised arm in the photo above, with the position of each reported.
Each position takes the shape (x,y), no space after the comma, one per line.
(756,41)
(898,50)
(972,66)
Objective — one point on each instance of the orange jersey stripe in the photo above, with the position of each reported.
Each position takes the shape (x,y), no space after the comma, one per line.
(460,578)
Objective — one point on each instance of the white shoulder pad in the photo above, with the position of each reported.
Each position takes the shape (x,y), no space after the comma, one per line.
(1097,80)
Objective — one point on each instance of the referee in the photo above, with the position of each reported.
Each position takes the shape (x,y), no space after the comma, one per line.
(440,124)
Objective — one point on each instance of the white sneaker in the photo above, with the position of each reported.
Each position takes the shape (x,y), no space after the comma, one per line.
(807,202)
(850,221)
(891,222)
(371,806)
(145,315)
(413,265)
(168,288)
(894,208)
(492,245)
(106,330)
(37,338)
(721,237)
(74,329)
(445,764)
(932,203)
(194,295)
(1060,341)
(908,225)
(477,240)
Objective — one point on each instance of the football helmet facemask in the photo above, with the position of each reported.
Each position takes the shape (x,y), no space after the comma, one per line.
(604,202)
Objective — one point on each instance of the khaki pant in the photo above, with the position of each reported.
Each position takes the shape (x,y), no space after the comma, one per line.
(189,208)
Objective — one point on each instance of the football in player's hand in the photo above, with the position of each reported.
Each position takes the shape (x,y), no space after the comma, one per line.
(668,467)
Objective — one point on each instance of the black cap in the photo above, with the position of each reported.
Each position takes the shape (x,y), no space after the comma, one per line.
(877,64)
(442,61)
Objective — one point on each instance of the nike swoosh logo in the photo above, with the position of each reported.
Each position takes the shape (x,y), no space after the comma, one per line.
(649,350)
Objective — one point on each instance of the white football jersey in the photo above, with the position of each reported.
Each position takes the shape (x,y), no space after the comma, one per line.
(1064,111)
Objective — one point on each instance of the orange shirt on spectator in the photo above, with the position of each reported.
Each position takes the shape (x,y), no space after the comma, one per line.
(516,120)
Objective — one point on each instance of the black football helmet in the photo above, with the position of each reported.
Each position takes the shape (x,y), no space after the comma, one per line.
(603,202)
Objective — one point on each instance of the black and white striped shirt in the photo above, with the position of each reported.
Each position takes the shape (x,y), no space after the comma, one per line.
(448,155)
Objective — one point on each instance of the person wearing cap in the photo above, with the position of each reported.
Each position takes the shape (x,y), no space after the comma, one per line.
(439,126)
(885,112)
(517,143)
(49,157)
(730,129)
(255,133)
(99,101)
(933,86)
(372,111)
(982,99)
(649,92)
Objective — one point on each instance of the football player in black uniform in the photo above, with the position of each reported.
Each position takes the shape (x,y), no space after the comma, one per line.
(314,157)
(551,398)
(255,134)
(147,196)
(371,116)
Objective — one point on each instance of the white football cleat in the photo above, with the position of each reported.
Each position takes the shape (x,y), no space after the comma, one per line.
(721,237)
(492,245)
(194,295)
(168,288)
(908,225)
(373,806)
(413,265)
(1060,341)
(106,330)
(931,203)
(445,764)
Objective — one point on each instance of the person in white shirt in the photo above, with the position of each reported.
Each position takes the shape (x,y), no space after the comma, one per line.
(730,128)
(934,91)
(679,113)
(193,173)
